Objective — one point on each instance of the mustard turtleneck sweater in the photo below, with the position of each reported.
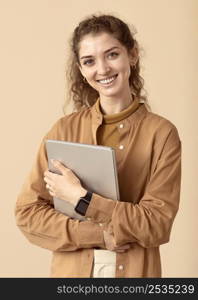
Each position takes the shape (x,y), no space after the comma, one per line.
(108,133)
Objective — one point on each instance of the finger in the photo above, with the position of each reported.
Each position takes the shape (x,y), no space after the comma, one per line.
(49,188)
(51,193)
(48,174)
(59,166)
(48,181)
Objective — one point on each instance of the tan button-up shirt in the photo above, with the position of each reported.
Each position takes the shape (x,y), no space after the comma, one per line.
(149,174)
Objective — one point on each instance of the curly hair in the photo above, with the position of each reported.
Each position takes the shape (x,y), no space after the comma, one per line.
(80,92)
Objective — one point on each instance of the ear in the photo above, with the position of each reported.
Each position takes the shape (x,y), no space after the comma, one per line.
(134,55)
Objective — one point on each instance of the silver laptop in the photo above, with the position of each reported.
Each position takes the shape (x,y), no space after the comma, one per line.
(94,165)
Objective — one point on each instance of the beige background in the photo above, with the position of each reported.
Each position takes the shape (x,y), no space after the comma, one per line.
(33,50)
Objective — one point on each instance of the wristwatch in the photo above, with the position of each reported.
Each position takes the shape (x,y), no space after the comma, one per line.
(83,203)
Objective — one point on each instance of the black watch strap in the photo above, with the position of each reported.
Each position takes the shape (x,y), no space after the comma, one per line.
(83,204)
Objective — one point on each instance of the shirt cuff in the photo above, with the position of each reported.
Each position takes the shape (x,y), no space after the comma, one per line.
(90,235)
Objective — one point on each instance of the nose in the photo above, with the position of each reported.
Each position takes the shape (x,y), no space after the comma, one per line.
(103,68)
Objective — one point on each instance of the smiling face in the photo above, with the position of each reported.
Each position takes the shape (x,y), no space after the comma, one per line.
(105,63)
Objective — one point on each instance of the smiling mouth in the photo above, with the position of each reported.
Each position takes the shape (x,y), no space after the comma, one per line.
(107,80)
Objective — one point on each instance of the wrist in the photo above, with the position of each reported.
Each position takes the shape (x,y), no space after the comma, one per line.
(82,192)
(83,203)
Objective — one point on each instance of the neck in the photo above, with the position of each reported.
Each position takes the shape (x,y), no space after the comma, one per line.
(113,105)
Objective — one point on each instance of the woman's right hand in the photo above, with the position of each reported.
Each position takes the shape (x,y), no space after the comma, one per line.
(111,244)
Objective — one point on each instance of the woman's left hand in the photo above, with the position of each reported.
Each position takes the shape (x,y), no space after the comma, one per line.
(66,186)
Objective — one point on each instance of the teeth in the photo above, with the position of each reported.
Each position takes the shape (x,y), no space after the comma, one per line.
(108,80)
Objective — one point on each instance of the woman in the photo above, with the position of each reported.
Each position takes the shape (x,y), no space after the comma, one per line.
(120,237)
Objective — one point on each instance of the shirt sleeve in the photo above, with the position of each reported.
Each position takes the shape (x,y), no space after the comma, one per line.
(148,222)
(41,224)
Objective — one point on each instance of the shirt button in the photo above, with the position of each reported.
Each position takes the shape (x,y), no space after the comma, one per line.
(121,267)
(88,219)
(121,147)
(121,125)
(100,224)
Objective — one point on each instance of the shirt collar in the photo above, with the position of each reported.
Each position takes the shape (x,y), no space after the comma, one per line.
(131,110)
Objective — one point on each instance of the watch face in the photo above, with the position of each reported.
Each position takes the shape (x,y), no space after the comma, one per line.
(82,207)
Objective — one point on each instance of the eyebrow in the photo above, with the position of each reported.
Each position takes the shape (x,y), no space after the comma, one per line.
(88,56)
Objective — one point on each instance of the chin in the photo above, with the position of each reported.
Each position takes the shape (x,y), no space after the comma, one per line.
(112,93)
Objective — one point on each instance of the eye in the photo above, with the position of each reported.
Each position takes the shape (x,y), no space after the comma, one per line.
(88,62)
(113,54)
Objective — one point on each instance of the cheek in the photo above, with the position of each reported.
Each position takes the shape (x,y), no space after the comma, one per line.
(90,77)
(85,72)
(124,67)
(127,70)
